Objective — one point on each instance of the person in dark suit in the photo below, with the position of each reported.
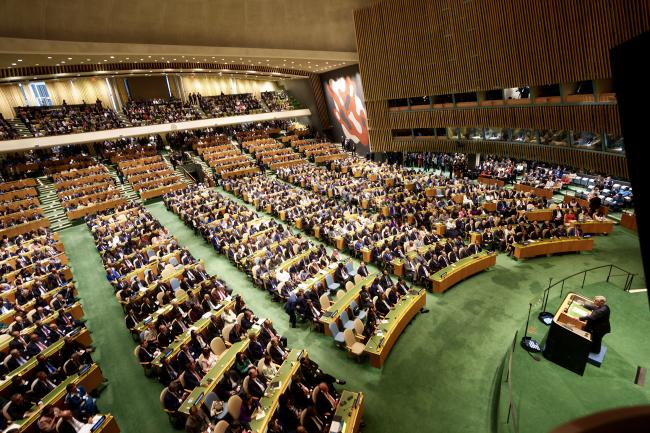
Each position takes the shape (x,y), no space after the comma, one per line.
(597,322)
(255,348)
(256,383)
(325,402)
(42,386)
(174,396)
(362,270)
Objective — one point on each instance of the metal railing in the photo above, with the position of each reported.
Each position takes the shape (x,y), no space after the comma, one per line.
(629,277)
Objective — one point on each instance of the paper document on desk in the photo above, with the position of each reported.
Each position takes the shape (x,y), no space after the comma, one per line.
(207,315)
(384,321)
(336,427)
(260,414)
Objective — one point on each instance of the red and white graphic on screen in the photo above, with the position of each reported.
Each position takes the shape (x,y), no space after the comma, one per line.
(349,109)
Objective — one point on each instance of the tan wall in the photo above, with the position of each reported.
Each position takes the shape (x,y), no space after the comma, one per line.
(10,97)
(215,85)
(77,90)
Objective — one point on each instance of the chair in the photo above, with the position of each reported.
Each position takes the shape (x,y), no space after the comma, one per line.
(180,293)
(159,298)
(351,343)
(173,416)
(331,284)
(336,334)
(350,268)
(324,301)
(217,346)
(173,261)
(260,364)
(146,366)
(358,328)
(244,384)
(234,406)
(340,294)
(226,334)
(349,286)
(30,315)
(357,279)
(175,284)
(151,254)
(239,317)
(303,415)
(345,320)
(5,411)
(314,394)
(362,313)
(221,427)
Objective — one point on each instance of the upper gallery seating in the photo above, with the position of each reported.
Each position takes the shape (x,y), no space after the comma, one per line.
(68,119)
(278,100)
(230,105)
(7,132)
(157,111)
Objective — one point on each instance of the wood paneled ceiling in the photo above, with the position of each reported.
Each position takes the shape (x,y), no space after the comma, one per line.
(307,35)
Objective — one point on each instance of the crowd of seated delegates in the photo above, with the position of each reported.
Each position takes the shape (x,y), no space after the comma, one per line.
(12,217)
(229,105)
(505,169)
(156,111)
(98,188)
(129,148)
(277,100)
(67,119)
(44,161)
(607,191)
(37,292)
(259,255)
(7,132)
(545,177)
(183,140)
(501,229)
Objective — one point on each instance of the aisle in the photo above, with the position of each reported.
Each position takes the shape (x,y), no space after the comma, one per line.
(130,396)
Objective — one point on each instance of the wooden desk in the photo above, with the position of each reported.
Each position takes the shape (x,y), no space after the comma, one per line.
(628,220)
(379,346)
(212,377)
(464,268)
(540,192)
(269,403)
(552,246)
(16,230)
(491,181)
(350,410)
(595,227)
(333,313)
(538,214)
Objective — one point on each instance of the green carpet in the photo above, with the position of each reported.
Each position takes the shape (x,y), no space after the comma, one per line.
(441,373)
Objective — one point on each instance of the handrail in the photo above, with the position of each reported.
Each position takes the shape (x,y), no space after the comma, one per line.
(511,404)
(629,277)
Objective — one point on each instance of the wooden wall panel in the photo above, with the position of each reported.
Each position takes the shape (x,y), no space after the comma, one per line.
(411,48)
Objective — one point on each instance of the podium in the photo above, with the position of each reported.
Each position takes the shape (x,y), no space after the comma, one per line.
(567,343)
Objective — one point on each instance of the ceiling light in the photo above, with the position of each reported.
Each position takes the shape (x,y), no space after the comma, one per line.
(38,64)
(62,61)
(13,64)
(49,57)
(141,59)
(149,56)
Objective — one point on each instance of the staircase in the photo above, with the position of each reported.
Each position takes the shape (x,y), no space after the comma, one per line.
(123,119)
(200,111)
(52,205)
(126,189)
(20,127)
(184,177)
(198,160)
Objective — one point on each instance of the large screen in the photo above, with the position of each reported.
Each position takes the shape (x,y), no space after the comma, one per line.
(344,96)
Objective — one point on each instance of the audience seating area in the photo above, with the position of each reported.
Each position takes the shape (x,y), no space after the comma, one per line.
(67,119)
(196,336)
(319,153)
(46,348)
(87,191)
(271,153)
(225,158)
(150,176)
(20,210)
(230,105)
(156,111)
